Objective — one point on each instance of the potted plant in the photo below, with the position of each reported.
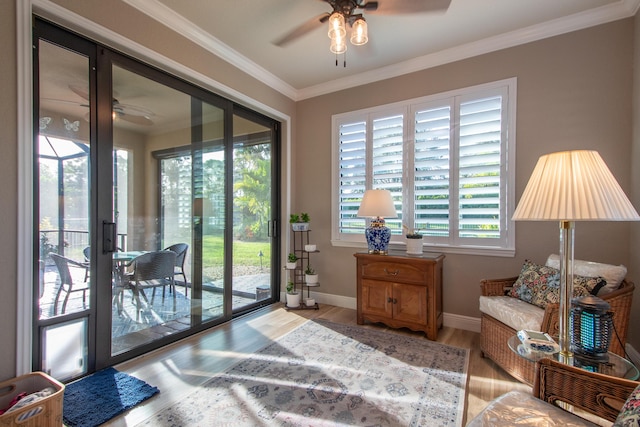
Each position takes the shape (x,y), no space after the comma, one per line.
(293,296)
(310,276)
(414,242)
(299,222)
(292,261)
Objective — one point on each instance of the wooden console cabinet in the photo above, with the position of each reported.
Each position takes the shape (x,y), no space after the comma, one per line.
(401,290)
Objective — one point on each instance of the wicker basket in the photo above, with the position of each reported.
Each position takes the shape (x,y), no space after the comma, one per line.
(46,412)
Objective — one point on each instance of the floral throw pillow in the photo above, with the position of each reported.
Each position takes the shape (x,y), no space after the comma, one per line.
(540,285)
(630,413)
(533,275)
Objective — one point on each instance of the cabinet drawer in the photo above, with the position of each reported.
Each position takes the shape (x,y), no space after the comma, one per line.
(391,271)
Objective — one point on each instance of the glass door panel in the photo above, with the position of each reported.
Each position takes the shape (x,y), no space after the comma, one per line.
(62,186)
(133,164)
(252,195)
(168,195)
(209,207)
(147,302)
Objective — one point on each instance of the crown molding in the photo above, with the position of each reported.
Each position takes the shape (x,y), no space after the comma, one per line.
(601,15)
(597,16)
(189,30)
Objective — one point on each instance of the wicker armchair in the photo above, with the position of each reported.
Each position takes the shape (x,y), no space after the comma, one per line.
(494,334)
(586,392)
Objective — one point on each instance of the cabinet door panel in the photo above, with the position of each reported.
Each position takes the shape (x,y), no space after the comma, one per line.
(376,298)
(410,303)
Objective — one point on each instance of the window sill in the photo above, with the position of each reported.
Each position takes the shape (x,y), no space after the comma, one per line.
(462,250)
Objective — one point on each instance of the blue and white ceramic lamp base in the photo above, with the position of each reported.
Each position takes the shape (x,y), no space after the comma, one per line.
(378,236)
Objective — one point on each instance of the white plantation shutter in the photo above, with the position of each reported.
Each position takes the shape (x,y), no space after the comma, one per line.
(446,156)
(479,162)
(431,170)
(387,162)
(352,167)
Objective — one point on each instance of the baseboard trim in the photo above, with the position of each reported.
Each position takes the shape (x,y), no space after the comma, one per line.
(464,323)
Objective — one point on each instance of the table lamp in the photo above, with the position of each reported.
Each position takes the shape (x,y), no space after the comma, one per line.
(378,205)
(572,186)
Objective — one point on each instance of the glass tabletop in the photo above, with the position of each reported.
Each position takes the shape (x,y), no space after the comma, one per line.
(614,365)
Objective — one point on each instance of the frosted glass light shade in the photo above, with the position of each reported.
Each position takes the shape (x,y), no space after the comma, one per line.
(377,204)
(359,34)
(338,45)
(574,186)
(336,26)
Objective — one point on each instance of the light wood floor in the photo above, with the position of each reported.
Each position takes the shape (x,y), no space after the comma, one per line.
(180,368)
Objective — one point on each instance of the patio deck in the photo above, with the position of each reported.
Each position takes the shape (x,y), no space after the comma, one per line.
(162,316)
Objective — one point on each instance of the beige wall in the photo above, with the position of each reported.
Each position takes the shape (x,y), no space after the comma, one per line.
(573,92)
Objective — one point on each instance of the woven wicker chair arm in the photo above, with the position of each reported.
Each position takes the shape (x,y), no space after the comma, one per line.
(496,287)
(598,394)
(551,320)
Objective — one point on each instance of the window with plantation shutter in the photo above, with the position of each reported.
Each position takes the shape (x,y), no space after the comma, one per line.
(448,160)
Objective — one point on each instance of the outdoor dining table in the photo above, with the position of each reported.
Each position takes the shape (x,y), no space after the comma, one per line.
(120,262)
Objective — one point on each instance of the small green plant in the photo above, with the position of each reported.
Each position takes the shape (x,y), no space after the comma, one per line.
(290,287)
(415,235)
(292,257)
(302,217)
(309,270)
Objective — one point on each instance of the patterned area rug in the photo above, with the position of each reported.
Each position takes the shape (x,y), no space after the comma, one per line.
(328,374)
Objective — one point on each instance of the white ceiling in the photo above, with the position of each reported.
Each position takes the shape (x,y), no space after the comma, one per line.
(243,32)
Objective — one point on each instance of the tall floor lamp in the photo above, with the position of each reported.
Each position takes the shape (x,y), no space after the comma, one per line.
(572,186)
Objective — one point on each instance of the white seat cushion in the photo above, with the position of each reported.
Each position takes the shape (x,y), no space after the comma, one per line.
(517,408)
(513,312)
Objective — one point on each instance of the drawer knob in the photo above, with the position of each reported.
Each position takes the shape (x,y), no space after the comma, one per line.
(392,273)
(392,300)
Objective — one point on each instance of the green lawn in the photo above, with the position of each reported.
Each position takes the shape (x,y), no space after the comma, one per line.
(244,253)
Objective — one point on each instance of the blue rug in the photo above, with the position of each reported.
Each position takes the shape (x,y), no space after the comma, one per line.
(97,398)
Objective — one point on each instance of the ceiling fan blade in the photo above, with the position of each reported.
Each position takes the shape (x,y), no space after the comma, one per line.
(139,120)
(301,30)
(131,110)
(64,101)
(80,91)
(398,7)
(369,6)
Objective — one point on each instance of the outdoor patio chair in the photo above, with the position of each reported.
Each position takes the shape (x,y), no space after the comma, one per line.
(181,254)
(152,270)
(87,262)
(66,281)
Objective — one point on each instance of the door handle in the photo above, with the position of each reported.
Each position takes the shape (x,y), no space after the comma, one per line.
(109,237)
(272,228)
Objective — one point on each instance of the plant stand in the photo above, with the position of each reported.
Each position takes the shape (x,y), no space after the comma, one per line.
(300,239)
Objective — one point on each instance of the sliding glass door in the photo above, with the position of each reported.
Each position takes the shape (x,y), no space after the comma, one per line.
(155,205)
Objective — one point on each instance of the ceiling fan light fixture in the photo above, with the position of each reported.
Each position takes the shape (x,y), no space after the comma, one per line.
(338,45)
(337,26)
(359,34)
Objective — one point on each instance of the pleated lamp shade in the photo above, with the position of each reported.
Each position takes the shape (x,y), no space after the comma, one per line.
(574,186)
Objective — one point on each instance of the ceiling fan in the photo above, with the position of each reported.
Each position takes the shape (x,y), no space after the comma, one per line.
(352,12)
(130,113)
